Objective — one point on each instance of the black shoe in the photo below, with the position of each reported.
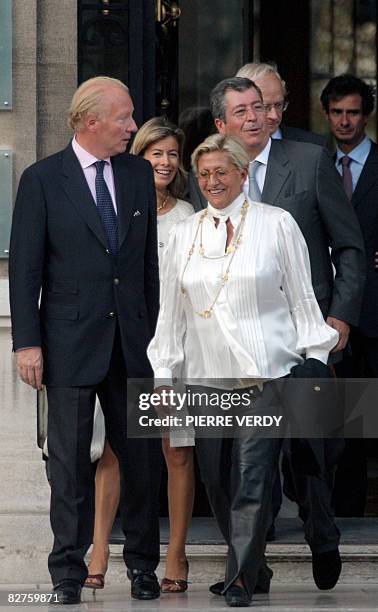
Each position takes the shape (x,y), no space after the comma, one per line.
(236,597)
(67,592)
(326,569)
(262,585)
(144,584)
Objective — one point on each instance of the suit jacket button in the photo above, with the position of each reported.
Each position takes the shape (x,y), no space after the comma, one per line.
(111,315)
(116,281)
(107,251)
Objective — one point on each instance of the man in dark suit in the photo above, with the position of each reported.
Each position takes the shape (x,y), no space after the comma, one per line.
(276,100)
(301,178)
(275,97)
(84,235)
(348,102)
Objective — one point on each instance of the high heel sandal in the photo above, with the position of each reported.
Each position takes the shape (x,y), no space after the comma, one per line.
(95,581)
(180,584)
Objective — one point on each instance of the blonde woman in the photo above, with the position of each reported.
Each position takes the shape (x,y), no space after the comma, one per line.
(238,309)
(161,143)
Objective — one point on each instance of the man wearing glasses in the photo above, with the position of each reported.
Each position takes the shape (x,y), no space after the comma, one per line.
(301,178)
(275,96)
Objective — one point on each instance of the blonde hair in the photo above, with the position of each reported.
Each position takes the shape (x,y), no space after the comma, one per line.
(255,70)
(225,144)
(156,129)
(91,97)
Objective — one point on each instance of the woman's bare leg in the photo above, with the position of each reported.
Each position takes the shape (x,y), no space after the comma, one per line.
(107,486)
(180,504)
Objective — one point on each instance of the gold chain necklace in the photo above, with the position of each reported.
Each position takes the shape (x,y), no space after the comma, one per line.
(164,202)
(235,239)
(206,314)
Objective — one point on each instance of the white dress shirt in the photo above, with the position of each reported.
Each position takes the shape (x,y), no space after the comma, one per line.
(266,317)
(87,161)
(358,157)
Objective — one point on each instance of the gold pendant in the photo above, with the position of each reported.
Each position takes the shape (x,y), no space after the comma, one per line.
(230,249)
(206,314)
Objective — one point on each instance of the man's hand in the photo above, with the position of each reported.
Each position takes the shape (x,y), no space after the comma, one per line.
(376,260)
(343,329)
(30,366)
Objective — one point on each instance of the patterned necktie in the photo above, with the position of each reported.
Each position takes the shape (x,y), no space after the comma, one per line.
(105,208)
(347,176)
(254,190)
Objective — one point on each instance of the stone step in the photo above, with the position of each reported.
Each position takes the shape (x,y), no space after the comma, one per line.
(288,556)
(290,563)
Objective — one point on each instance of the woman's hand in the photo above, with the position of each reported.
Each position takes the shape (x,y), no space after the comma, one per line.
(167,404)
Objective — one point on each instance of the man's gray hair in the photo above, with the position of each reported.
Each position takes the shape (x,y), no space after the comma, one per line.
(255,70)
(218,94)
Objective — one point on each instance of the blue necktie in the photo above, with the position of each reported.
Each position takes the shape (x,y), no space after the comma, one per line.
(106,208)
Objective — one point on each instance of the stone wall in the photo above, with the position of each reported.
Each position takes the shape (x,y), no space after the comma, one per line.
(44,78)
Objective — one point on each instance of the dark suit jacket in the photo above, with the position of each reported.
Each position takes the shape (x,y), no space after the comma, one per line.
(58,245)
(365,203)
(290,133)
(302,179)
(299,135)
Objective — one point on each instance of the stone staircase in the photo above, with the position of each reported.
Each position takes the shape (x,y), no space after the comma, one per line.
(288,556)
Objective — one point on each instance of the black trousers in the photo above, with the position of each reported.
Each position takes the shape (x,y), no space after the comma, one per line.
(70,427)
(238,474)
(351,481)
(313,492)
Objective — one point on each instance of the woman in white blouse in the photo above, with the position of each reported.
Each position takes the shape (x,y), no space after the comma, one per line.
(237,303)
(161,143)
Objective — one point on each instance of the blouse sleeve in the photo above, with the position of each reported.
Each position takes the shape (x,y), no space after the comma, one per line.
(314,337)
(165,350)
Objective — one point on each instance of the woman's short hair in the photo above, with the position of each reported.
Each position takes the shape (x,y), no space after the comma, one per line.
(92,96)
(225,144)
(152,131)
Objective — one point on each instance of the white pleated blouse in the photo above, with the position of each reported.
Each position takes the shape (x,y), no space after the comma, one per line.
(266,319)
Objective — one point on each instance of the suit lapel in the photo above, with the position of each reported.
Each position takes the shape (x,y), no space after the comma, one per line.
(368,177)
(79,194)
(125,194)
(277,173)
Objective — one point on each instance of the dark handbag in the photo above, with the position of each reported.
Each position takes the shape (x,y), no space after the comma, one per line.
(305,402)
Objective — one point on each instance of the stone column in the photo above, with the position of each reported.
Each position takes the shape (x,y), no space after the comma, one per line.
(44,79)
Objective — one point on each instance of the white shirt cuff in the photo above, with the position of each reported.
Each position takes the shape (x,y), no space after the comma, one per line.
(319,354)
(163,377)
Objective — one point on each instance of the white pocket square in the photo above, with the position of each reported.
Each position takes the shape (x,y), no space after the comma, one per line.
(137,213)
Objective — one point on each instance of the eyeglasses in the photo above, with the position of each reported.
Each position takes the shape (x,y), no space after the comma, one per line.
(280,107)
(257,107)
(219,174)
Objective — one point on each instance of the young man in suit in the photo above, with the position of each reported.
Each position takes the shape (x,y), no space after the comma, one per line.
(347,103)
(301,178)
(84,237)
(275,96)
